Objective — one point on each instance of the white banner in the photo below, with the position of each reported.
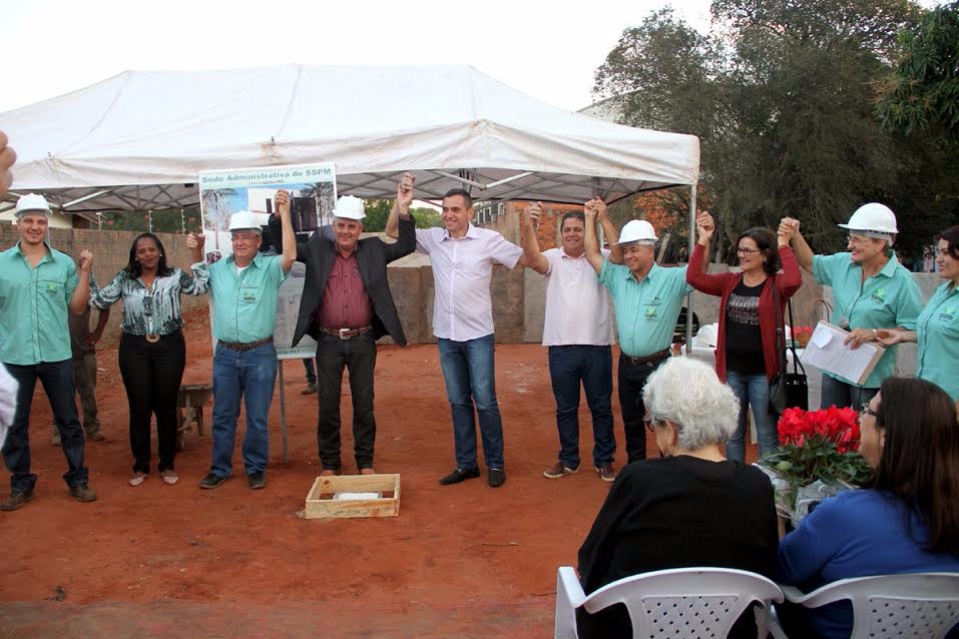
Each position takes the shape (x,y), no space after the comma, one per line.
(312,190)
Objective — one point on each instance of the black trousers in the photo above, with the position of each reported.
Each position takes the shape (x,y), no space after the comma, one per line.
(358,355)
(152,373)
(631,380)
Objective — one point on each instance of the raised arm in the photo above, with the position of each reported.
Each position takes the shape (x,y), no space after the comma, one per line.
(800,246)
(697,274)
(791,279)
(401,205)
(590,242)
(609,230)
(81,294)
(288,256)
(527,239)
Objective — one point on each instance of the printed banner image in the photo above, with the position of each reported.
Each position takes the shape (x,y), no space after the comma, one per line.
(312,190)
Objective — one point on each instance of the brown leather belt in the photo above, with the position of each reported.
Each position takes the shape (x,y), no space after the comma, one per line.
(651,359)
(346,333)
(246,346)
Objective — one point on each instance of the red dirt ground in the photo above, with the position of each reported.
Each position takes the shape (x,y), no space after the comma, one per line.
(459,561)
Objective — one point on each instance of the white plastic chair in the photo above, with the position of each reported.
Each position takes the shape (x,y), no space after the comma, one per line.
(916,606)
(684,603)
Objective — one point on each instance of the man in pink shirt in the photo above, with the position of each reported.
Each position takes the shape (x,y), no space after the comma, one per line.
(462,258)
(578,331)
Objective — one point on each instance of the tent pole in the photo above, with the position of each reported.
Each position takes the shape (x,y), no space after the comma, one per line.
(692,246)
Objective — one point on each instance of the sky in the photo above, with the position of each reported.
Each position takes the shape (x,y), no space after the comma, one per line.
(549,51)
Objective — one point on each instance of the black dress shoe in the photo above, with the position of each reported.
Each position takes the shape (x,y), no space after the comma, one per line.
(257,480)
(497,477)
(211,481)
(17,499)
(458,475)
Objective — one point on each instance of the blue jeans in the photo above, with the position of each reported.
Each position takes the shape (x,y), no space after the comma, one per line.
(842,395)
(250,375)
(469,374)
(57,381)
(593,367)
(752,390)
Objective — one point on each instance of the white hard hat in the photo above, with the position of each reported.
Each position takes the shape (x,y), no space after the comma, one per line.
(874,217)
(637,231)
(32,203)
(349,207)
(244,221)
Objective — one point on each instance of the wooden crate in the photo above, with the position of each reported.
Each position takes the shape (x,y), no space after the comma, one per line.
(321,505)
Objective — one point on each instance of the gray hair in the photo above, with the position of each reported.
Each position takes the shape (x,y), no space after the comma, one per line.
(688,393)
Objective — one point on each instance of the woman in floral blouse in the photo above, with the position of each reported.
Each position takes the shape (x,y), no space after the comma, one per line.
(152,351)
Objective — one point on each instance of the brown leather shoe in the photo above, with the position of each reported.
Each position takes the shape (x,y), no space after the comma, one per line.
(82,493)
(606,473)
(558,470)
(17,499)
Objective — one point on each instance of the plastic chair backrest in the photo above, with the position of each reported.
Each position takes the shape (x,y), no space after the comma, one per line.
(912,606)
(683,603)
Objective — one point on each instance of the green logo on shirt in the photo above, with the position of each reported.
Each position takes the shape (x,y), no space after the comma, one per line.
(249,297)
(52,289)
(879,296)
(650,312)
(948,314)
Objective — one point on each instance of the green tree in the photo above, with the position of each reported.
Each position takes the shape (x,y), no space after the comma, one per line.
(378,211)
(781,96)
(922,92)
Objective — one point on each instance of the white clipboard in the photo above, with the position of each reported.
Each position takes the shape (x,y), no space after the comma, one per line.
(828,352)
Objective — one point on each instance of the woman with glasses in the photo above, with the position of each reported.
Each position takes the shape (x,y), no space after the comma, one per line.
(871,291)
(905,521)
(751,308)
(152,352)
(690,508)
(937,329)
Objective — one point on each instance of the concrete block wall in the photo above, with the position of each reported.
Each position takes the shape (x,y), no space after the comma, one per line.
(111,252)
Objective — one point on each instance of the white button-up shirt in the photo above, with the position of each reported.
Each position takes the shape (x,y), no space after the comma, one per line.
(577,304)
(462,269)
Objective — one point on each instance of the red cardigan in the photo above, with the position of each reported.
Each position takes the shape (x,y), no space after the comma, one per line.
(787,281)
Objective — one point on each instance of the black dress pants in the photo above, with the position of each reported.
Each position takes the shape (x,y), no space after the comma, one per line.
(358,355)
(152,373)
(631,380)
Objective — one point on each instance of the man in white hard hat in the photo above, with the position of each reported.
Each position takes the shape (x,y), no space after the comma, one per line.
(244,287)
(871,291)
(346,306)
(39,287)
(462,258)
(578,331)
(647,299)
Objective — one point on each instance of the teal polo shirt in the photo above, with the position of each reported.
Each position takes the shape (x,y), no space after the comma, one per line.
(34,306)
(888,299)
(244,305)
(937,333)
(646,312)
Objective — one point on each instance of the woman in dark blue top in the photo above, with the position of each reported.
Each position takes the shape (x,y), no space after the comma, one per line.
(905,521)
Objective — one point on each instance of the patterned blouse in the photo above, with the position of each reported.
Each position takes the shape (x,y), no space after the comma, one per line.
(155,312)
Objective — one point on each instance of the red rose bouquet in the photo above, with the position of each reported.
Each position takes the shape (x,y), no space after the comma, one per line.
(819,449)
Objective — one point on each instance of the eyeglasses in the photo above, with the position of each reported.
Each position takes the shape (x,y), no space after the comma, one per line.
(857,240)
(245,237)
(650,422)
(747,251)
(865,409)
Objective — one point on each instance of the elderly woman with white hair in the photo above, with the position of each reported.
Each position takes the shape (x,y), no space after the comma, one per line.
(690,508)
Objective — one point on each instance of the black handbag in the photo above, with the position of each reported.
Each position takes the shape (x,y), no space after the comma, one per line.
(787,390)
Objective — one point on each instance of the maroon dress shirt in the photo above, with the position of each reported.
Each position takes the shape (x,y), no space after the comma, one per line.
(345,302)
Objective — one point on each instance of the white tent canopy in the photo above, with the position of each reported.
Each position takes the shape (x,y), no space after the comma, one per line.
(138,140)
